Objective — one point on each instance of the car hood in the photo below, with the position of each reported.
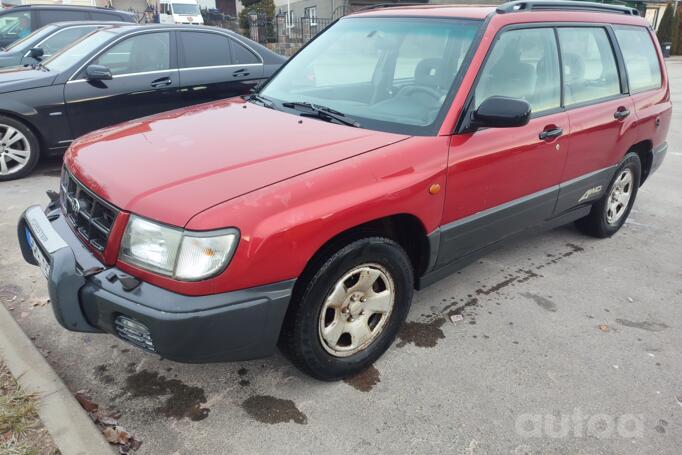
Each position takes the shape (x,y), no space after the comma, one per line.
(22,78)
(171,166)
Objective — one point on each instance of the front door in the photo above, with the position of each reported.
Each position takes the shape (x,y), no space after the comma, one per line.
(145,81)
(502,180)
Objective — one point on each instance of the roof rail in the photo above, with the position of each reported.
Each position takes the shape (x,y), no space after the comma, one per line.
(66,5)
(565,5)
(391,5)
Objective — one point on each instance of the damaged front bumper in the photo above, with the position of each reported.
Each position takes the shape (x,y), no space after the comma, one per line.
(88,297)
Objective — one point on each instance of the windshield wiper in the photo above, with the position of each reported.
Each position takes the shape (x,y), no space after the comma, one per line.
(322,112)
(266,102)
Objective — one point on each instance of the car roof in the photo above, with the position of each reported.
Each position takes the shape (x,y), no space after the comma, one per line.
(126,27)
(76,23)
(512,7)
(63,6)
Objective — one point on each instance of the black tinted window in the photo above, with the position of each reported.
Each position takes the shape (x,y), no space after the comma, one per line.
(50,16)
(138,54)
(205,49)
(63,38)
(641,59)
(99,16)
(241,55)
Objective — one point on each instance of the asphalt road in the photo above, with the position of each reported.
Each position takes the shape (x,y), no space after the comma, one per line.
(567,345)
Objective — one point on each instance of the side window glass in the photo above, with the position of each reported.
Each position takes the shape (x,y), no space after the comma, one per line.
(205,49)
(523,64)
(590,71)
(16,25)
(641,58)
(50,16)
(98,16)
(63,38)
(138,54)
(241,55)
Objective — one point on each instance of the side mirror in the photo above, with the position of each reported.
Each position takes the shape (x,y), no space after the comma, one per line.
(501,112)
(36,53)
(98,73)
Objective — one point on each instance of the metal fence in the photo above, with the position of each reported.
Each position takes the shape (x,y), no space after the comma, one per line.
(283,29)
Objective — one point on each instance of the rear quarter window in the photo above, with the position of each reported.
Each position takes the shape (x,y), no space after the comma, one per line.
(640,57)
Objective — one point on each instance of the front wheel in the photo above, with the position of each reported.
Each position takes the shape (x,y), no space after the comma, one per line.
(610,212)
(18,149)
(350,310)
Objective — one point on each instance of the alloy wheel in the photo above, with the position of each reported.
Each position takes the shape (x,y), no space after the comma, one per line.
(620,195)
(15,150)
(356,310)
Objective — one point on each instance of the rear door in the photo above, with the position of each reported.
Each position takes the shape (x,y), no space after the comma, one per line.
(214,66)
(601,114)
(145,81)
(502,180)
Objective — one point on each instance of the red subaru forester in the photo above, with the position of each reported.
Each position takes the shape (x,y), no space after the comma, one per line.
(396,147)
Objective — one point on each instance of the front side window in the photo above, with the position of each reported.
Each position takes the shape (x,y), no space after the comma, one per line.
(523,64)
(641,58)
(138,54)
(63,38)
(71,55)
(353,68)
(16,25)
(590,71)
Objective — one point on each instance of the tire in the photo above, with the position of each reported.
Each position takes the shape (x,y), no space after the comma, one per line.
(609,213)
(318,312)
(19,149)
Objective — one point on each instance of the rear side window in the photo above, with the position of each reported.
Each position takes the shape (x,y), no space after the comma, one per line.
(50,16)
(99,16)
(523,64)
(205,49)
(641,59)
(241,55)
(590,71)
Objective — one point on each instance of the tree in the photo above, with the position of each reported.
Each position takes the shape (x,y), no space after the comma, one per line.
(665,28)
(262,7)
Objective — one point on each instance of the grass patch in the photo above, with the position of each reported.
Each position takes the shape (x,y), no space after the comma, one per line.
(21,432)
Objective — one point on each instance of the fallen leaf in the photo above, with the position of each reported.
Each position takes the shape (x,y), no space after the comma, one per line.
(85,401)
(604,327)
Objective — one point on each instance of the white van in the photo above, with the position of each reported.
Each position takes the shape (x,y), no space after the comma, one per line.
(180,12)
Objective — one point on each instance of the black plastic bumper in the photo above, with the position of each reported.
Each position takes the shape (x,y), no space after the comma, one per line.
(236,325)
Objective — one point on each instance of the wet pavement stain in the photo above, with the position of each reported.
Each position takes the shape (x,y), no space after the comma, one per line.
(541,301)
(100,372)
(184,400)
(268,409)
(421,334)
(644,325)
(365,380)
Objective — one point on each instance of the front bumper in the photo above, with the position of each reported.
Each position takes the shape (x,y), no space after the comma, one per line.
(87,297)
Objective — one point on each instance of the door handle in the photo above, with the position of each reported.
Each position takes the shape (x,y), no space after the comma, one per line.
(551,134)
(163,82)
(621,113)
(240,73)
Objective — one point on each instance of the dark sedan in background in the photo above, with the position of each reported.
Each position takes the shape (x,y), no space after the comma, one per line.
(19,21)
(45,42)
(118,73)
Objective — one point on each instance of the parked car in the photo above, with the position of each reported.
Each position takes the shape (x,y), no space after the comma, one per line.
(118,73)
(180,12)
(45,42)
(20,21)
(398,146)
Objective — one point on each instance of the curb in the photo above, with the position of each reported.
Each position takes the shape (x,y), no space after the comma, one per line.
(70,427)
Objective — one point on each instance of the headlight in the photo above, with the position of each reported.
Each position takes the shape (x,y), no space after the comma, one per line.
(183,255)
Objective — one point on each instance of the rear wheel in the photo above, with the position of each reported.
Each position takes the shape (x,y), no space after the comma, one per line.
(18,149)
(610,212)
(350,310)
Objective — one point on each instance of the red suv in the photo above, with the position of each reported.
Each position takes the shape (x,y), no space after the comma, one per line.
(396,147)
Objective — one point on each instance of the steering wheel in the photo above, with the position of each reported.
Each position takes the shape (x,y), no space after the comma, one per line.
(410,89)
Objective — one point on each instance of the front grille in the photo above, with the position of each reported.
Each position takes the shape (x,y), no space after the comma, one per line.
(134,332)
(87,214)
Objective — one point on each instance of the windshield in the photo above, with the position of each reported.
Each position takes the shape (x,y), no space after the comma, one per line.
(71,55)
(186,9)
(389,74)
(32,38)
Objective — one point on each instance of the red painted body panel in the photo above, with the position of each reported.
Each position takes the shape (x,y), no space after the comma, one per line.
(172,166)
(293,189)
